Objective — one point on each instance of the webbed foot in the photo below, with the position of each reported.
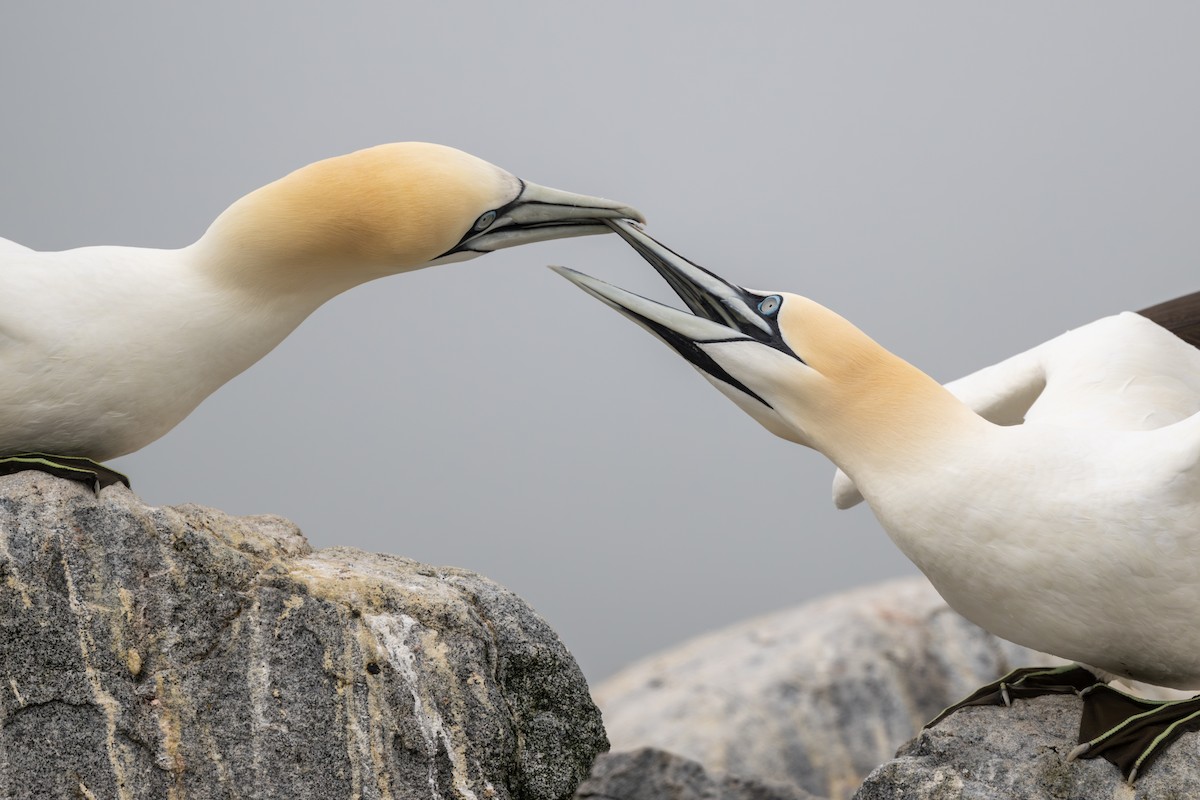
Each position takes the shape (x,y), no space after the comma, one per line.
(1128,731)
(1024,683)
(72,468)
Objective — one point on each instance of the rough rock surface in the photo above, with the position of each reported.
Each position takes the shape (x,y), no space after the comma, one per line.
(649,774)
(998,753)
(182,653)
(816,696)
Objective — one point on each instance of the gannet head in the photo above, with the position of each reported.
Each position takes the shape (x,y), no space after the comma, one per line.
(391,208)
(802,371)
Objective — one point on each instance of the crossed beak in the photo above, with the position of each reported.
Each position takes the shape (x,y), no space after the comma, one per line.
(721,311)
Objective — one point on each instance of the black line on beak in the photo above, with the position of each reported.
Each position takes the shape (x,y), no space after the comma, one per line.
(690,350)
(703,302)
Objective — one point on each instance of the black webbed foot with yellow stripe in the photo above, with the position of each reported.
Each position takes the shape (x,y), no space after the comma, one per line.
(72,468)
(1128,731)
(1022,684)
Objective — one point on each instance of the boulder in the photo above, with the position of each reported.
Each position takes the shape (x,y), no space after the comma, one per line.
(816,696)
(995,753)
(183,653)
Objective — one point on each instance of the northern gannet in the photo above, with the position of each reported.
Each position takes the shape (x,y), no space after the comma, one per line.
(105,349)
(1063,534)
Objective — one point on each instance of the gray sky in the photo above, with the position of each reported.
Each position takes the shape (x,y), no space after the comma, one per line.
(961,180)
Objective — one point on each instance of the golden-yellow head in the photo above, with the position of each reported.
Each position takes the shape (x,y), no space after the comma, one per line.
(388,209)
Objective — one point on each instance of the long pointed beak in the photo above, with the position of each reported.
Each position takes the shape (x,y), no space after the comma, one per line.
(679,329)
(722,311)
(540,213)
(683,332)
(708,295)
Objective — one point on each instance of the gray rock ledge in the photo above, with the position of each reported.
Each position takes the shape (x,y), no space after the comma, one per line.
(995,753)
(182,653)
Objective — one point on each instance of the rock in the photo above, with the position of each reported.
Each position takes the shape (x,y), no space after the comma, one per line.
(816,696)
(182,653)
(649,774)
(994,753)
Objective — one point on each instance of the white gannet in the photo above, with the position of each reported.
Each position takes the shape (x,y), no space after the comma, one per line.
(105,349)
(1078,538)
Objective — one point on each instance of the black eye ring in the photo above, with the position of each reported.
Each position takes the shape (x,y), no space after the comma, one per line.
(485,219)
(770,305)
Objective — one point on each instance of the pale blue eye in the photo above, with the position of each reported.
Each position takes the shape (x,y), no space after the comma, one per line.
(770,305)
(487,219)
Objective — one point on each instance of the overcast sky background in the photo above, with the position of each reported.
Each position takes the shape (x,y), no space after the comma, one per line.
(962,180)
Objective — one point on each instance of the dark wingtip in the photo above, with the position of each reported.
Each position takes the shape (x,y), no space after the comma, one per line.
(1180,316)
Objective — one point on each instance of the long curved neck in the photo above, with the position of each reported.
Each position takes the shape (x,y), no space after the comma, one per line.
(322,229)
(888,419)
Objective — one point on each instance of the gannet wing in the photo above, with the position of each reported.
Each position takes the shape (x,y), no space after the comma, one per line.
(1180,316)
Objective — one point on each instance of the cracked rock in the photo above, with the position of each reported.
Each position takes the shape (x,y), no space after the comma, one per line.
(183,653)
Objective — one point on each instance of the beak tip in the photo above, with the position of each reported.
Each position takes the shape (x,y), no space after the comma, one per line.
(566,272)
(631,220)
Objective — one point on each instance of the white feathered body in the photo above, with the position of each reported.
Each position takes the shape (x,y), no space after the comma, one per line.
(1069,543)
(104,349)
